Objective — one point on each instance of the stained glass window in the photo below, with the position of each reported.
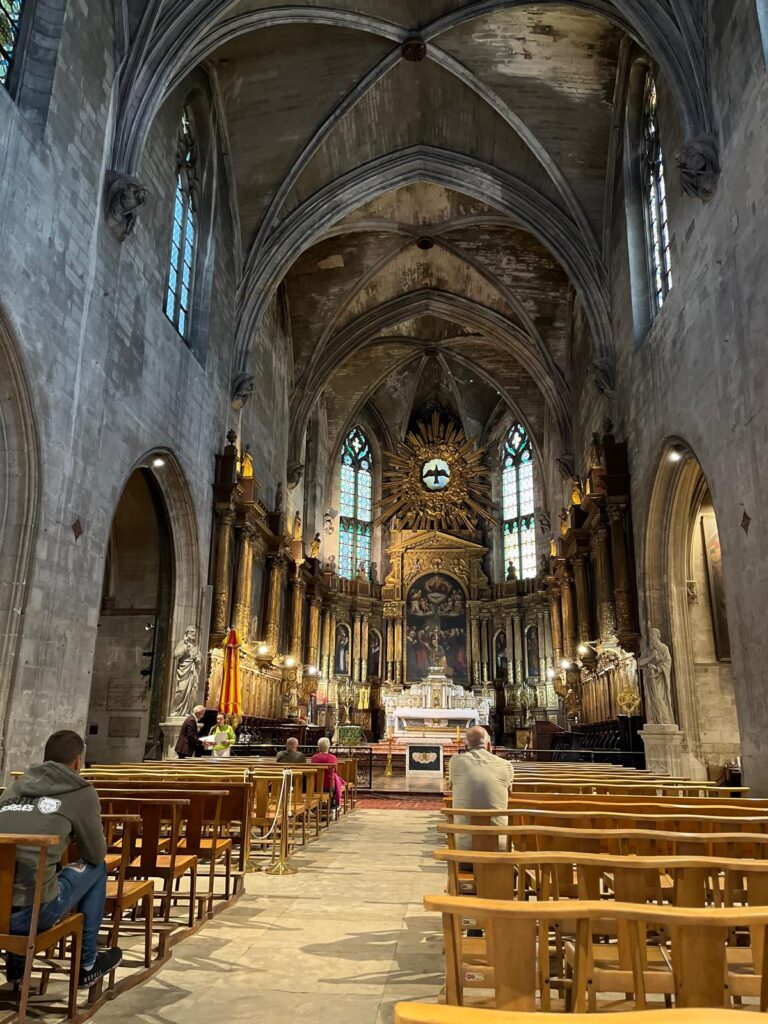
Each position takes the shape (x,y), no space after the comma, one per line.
(10,19)
(356,504)
(655,199)
(181,268)
(517,501)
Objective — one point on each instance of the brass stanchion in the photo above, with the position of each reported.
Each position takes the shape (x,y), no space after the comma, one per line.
(281,865)
(388,769)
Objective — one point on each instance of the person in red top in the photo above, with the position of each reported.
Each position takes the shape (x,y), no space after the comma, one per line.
(323,757)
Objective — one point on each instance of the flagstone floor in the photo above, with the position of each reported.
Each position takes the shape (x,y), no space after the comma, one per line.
(341,941)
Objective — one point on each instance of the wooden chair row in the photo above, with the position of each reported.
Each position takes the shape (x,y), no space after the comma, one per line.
(691,963)
(425,1013)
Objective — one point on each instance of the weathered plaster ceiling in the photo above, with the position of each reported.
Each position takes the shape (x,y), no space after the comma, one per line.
(478,313)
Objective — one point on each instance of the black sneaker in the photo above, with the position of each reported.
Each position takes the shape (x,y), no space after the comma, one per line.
(14,968)
(104,963)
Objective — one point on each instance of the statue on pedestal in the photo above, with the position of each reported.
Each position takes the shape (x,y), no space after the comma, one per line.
(314,549)
(511,572)
(185,674)
(657,665)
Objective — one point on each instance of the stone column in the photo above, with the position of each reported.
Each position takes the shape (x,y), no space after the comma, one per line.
(517,616)
(298,589)
(582,599)
(620,568)
(357,639)
(569,633)
(364,650)
(242,612)
(226,517)
(557,627)
(277,575)
(313,639)
(606,610)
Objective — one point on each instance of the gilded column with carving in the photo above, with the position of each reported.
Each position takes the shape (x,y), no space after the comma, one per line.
(356,645)
(475,653)
(226,517)
(582,599)
(542,645)
(278,568)
(242,612)
(364,650)
(606,609)
(557,627)
(298,589)
(313,638)
(517,616)
(510,647)
(616,514)
(569,632)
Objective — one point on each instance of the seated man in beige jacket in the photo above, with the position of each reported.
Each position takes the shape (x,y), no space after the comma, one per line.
(479,780)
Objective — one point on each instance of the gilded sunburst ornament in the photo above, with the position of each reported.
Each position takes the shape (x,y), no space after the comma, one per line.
(435,480)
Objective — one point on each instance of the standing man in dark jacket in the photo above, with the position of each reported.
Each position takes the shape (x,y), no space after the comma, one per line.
(53,799)
(187,742)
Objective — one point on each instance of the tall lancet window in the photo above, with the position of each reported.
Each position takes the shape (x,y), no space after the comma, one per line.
(655,199)
(10,21)
(181,270)
(355,511)
(517,502)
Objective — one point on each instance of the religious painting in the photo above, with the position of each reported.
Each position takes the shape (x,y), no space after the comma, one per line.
(374,654)
(341,651)
(500,654)
(714,559)
(436,628)
(532,650)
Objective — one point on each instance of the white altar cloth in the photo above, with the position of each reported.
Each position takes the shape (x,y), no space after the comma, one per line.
(433,720)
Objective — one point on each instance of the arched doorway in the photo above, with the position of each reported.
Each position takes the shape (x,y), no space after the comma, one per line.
(19,498)
(132,646)
(685,599)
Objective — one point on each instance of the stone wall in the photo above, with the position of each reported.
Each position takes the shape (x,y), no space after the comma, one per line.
(111,380)
(701,372)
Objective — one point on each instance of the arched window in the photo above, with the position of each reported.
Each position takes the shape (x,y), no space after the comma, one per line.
(181,270)
(655,198)
(355,504)
(10,23)
(517,503)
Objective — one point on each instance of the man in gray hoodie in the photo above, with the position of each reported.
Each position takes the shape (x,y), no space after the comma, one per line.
(54,799)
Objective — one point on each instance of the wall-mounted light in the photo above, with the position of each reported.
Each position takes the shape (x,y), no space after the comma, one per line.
(158,463)
(565,664)
(550,673)
(675,455)
(582,649)
(311,670)
(262,649)
(290,662)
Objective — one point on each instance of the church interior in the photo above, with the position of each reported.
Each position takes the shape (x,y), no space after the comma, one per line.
(371,372)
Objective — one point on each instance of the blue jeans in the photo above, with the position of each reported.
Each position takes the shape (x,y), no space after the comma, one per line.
(82,886)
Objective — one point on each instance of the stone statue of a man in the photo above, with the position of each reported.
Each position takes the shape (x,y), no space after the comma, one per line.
(186,673)
(657,675)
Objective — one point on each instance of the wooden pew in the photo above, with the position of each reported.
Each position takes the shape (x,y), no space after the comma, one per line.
(696,969)
(427,1013)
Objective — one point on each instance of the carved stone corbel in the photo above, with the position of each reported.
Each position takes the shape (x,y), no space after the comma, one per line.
(124,196)
(698,161)
(243,386)
(603,375)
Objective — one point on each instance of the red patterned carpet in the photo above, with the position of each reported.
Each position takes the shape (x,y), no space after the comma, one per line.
(399,803)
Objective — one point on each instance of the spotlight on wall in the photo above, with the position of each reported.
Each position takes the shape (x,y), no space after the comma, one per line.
(550,673)
(582,649)
(675,455)
(158,463)
(311,670)
(262,649)
(565,664)
(290,662)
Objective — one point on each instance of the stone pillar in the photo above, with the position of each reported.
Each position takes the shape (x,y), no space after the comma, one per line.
(620,569)
(663,749)
(557,627)
(517,615)
(569,633)
(357,639)
(242,612)
(277,576)
(313,638)
(582,599)
(298,589)
(226,518)
(606,610)
(364,650)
